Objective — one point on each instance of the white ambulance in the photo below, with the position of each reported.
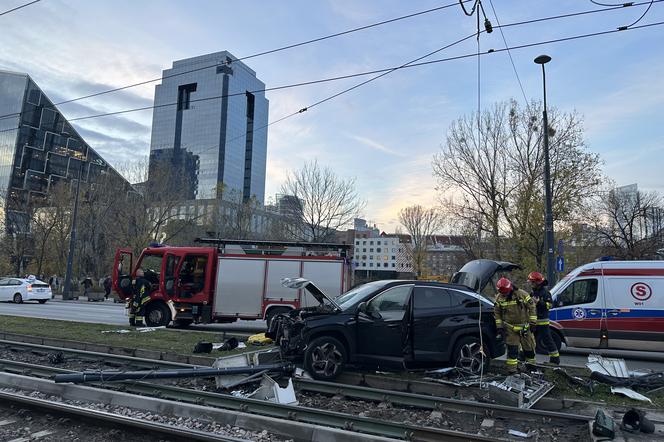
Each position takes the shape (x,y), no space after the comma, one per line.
(611,304)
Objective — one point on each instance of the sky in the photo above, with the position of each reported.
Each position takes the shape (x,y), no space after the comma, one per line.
(383,134)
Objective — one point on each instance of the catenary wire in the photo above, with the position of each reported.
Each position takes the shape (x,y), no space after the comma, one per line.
(610,8)
(473,54)
(490,51)
(271,51)
(341,77)
(21,7)
(516,73)
(642,15)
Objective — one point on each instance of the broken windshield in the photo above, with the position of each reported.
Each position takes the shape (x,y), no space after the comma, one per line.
(355,295)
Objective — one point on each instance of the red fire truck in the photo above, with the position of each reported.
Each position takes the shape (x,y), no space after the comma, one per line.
(229,279)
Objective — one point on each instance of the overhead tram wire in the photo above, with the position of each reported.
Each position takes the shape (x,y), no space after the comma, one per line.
(19,7)
(271,51)
(425,63)
(474,54)
(574,14)
(376,71)
(516,73)
(458,57)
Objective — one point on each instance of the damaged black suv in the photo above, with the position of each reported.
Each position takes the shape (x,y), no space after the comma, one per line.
(391,325)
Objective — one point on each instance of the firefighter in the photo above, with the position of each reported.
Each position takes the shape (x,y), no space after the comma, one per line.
(141,290)
(543,302)
(515,318)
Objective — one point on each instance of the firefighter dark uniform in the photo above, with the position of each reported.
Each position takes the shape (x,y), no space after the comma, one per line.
(543,304)
(141,291)
(515,318)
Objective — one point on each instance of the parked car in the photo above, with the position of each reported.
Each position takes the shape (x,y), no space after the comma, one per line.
(24,289)
(392,324)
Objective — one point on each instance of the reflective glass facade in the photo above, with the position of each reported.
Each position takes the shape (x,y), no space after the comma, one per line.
(38,147)
(217,124)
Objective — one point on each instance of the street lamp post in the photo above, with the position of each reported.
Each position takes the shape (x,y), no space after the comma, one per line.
(548,211)
(66,292)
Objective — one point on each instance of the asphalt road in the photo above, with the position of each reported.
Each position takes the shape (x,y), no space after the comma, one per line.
(114,314)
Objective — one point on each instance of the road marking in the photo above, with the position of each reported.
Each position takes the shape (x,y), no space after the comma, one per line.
(6,422)
(33,436)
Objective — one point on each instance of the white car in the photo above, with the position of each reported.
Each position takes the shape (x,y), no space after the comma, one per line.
(18,290)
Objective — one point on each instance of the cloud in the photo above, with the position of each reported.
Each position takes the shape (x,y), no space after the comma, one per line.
(375,145)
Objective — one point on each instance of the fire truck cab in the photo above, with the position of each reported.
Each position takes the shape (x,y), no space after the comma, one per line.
(229,279)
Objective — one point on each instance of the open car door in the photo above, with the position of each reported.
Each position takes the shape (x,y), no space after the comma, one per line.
(122,271)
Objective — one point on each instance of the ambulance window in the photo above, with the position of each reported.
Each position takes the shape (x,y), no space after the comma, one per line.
(583,291)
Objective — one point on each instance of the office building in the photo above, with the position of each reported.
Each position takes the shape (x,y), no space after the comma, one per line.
(38,149)
(209,127)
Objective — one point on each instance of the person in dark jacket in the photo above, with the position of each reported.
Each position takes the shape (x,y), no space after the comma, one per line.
(543,304)
(141,291)
(107,287)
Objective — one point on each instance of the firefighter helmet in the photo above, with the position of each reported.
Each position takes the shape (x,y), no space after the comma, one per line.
(504,285)
(536,277)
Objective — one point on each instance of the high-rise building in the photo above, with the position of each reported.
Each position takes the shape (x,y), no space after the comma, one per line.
(209,127)
(39,148)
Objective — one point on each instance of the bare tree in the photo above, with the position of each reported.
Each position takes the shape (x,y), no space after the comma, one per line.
(421,224)
(498,181)
(629,223)
(325,203)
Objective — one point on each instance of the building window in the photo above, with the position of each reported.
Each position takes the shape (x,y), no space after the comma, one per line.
(370,256)
(357,243)
(371,250)
(378,250)
(394,257)
(364,250)
(371,264)
(364,243)
(385,257)
(385,265)
(393,265)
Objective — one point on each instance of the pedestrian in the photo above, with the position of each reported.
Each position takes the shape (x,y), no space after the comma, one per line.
(516,317)
(107,287)
(543,302)
(50,282)
(141,291)
(87,285)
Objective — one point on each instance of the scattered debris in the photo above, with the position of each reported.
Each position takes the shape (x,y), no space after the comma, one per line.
(603,425)
(458,377)
(116,331)
(487,423)
(202,347)
(522,434)
(243,360)
(630,394)
(614,367)
(56,358)
(519,390)
(149,329)
(269,390)
(259,339)
(635,420)
(228,345)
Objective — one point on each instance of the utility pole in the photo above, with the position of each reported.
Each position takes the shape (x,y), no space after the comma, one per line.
(66,294)
(548,210)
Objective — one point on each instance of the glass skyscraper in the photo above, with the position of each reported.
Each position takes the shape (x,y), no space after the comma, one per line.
(39,148)
(209,126)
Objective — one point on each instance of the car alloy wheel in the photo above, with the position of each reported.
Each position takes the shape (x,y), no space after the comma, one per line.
(18,299)
(471,357)
(326,359)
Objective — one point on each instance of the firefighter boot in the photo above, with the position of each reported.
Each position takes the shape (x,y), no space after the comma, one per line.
(512,358)
(554,358)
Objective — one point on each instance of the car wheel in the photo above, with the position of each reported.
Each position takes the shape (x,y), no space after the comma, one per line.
(541,350)
(43,301)
(469,356)
(157,315)
(18,299)
(325,358)
(273,312)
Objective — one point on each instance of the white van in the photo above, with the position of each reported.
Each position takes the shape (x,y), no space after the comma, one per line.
(611,304)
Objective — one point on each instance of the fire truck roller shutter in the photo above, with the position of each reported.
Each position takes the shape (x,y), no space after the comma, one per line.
(239,287)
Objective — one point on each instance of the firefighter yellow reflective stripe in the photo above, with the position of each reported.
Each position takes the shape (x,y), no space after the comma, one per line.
(506,303)
(554,355)
(527,299)
(144,300)
(499,321)
(542,322)
(548,306)
(533,318)
(511,361)
(531,360)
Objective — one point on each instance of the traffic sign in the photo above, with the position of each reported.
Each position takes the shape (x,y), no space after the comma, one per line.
(560,264)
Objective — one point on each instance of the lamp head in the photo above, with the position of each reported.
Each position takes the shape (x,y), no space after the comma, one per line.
(542,59)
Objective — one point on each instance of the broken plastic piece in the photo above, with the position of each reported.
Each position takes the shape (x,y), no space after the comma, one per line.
(635,420)
(630,394)
(521,433)
(603,425)
(271,391)
(608,366)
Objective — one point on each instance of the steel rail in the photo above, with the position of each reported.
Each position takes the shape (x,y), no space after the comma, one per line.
(434,402)
(265,408)
(184,434)
(388,391)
